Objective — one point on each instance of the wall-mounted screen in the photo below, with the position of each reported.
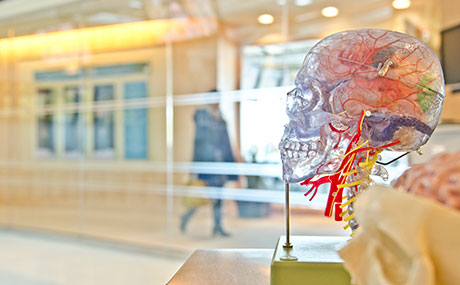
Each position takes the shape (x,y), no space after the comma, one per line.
(450,54)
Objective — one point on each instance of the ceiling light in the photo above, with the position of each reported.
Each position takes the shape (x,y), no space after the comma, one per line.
(265,19)
(401,4)
(303,2)
(330,12)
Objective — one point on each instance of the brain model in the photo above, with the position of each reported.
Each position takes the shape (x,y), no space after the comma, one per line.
(438,180)
(358,92)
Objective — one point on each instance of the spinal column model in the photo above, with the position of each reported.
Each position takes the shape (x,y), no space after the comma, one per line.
(358,92)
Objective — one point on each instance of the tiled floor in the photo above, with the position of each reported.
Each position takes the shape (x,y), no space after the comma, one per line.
(27,258)
(146,226)
(137,247)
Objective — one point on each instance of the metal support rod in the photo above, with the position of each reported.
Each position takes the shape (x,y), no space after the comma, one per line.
(287,211)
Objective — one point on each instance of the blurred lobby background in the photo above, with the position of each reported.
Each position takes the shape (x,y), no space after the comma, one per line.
(100,102)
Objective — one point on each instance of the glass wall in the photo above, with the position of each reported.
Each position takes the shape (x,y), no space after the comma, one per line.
(157,123)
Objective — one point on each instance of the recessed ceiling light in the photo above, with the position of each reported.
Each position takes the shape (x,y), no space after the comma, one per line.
(303,2)
(265,19)
(401,4)
(330,12)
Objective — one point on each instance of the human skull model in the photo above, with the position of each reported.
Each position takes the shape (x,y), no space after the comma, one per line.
(358,92)
(396,78)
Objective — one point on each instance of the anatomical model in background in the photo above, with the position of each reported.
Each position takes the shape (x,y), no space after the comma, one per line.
(358,92)
(420,248)
(439,179)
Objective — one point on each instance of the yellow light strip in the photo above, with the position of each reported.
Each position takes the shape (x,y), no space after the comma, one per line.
(105,38)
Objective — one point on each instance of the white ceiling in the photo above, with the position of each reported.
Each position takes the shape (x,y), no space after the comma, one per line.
(239,17)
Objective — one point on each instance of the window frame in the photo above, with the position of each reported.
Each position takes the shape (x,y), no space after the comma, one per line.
(86,108)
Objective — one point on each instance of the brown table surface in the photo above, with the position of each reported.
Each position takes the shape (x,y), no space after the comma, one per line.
(225,266)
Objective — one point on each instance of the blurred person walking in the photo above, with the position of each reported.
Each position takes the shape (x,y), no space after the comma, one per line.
(211,144)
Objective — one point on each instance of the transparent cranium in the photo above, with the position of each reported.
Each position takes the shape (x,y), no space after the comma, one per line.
(395,79)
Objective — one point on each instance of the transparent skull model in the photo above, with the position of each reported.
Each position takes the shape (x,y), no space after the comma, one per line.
(358,92)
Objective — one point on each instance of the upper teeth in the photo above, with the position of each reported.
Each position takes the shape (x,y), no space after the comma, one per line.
(297,150)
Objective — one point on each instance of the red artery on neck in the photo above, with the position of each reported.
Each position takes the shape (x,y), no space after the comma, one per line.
(339,178)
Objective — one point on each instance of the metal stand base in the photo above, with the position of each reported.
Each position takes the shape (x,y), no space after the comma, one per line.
(287,245)
(317,263)
(288,256)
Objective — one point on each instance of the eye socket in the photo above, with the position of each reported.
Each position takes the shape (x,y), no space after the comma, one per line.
(295,100)
(295,93)
(292,92)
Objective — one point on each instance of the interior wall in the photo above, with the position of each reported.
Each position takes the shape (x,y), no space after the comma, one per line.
(22,173)
(210,56)
(194,66)
(227,78)
(450,18)
(194,71)
(450,13)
